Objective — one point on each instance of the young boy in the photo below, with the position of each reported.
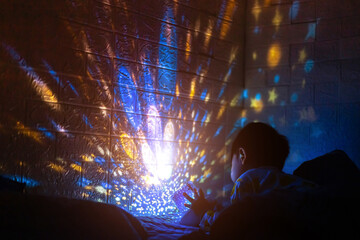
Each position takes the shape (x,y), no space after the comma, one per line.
(258,156)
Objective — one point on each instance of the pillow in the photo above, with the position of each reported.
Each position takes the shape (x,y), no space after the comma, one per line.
(333,168)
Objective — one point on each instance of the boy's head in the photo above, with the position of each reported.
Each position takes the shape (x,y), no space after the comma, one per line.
(256,145)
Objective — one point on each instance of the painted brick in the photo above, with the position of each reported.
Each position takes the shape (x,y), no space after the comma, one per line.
(302,32)
(274,116)
(98,42)
(349,7)
(349,92)
(350,26)
(126,22)
(300,53)
(348,124)
(148,28)
(302,73)
(299,95)
(303,12)
(259,56)
(326,93)
(327,71)
(280,1)
(328,29)
(273,15)
(350,47)
(328,8)
(350,70)
(265,35)
(278,76)
(99,67)
(327,50)
(255,78)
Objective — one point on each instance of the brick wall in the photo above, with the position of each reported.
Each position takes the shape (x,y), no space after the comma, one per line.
(302,73)
(100,99)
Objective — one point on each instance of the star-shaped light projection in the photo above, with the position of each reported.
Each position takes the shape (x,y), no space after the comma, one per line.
(257,103)
(272,96)
(277,19)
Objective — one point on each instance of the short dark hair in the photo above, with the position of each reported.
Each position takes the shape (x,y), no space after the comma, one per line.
(263,145)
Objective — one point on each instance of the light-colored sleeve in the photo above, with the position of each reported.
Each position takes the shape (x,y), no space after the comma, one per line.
(208,219)
(243,187)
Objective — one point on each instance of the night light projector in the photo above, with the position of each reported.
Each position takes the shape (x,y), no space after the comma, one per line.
(179,198)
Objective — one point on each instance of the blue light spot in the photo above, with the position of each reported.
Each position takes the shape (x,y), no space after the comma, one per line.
(204,118)
(294,9)
(259,70)
(271,121)
(192,137)
(86,120)
(256,30)
(203,94)
(221,92)
(258,97)
(245,93)
(52,73)
(99,160)
(218,131)
(202,159)
(85,181)
(73,89)
(309,66)
(311,31)
(294,97)
(277,78)
(196,116)
(47,133)
(129,96)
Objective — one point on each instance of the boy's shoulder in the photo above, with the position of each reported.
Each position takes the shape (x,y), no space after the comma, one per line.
(261,171)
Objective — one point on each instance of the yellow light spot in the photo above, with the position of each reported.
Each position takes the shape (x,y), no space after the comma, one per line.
(302,55)
(188,45)
(202,153)
(207,97)
(192,88)
(193,178)
(235,100)
(233,54)
(177,90)
(274,55)
(76,167)
(128,145)
(303,83)
(256,11)
(272,96)
(28,132)
(221,112)
(56,167)
(277,18)
(254,55)
(221,153)
(208,117)
(88,158)
(256,104)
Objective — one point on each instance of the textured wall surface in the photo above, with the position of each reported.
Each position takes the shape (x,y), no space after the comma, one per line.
(125,101)
(120,101)
(303,73)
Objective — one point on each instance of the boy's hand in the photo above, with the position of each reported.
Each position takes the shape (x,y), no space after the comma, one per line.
(199,204)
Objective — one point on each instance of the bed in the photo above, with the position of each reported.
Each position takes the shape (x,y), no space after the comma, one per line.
(329,212)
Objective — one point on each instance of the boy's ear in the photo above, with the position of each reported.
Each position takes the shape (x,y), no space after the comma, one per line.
(242,155)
